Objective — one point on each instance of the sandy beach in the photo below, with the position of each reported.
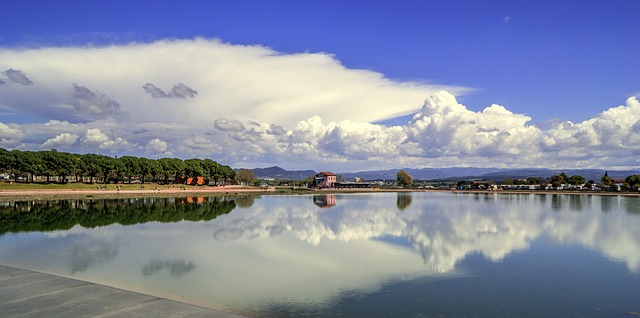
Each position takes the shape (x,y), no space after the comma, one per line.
(112,192)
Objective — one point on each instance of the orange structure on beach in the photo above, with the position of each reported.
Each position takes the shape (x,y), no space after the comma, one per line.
(191,180)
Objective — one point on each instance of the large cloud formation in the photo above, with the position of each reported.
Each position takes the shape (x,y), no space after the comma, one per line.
(255,106)
(237,81)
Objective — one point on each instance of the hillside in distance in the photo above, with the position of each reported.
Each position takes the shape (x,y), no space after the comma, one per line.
(489,174)
(447,174)
(421,174)
(276,172)
(588,174)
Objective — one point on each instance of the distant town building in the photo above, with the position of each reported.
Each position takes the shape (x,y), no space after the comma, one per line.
(325,179)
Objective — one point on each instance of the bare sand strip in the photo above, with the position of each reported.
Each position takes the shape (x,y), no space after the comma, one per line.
(112,192)
(27,293)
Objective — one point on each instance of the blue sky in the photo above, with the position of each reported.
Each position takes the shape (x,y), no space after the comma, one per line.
(561,64)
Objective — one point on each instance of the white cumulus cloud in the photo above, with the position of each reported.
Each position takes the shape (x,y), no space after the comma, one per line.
(158,148)
(9,137)
(443,127)
(255,106)
(233,81)
(63,140)
(96,140)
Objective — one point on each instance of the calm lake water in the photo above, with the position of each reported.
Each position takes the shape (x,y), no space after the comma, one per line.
(351,255)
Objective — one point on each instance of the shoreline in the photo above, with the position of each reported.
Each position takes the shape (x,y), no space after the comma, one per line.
(72,194)
(60,194)
(53,194)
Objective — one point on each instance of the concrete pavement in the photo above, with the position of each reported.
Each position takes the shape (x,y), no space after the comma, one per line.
(25,293)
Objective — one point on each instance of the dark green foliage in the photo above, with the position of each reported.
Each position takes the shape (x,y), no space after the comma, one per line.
(25,165)
(533,180)
(404,179)
(576,180)
(44,216)
(606,180)
(633,181)
(557,180)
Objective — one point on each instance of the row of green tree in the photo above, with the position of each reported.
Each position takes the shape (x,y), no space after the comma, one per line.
(61,166)
(44,216)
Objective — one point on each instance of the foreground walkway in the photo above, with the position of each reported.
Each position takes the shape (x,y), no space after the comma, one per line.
(25,293)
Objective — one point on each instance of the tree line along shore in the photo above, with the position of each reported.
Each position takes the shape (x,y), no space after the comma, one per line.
(558,182)
(80,171)
(62,167)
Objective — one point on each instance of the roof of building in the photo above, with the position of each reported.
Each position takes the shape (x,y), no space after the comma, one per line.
(326,173)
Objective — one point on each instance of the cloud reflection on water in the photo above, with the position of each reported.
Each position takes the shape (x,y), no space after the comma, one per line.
(289,248)
(87,254)
(444,233)
(176,267)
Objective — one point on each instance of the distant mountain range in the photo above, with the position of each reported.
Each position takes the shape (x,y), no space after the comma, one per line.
(422,174)
(279,173)
(447,174)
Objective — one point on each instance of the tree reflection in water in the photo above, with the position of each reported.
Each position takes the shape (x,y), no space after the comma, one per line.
(44,216)
(403,200)
(245,201)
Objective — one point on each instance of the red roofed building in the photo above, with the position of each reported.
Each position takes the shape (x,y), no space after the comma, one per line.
(325,179)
